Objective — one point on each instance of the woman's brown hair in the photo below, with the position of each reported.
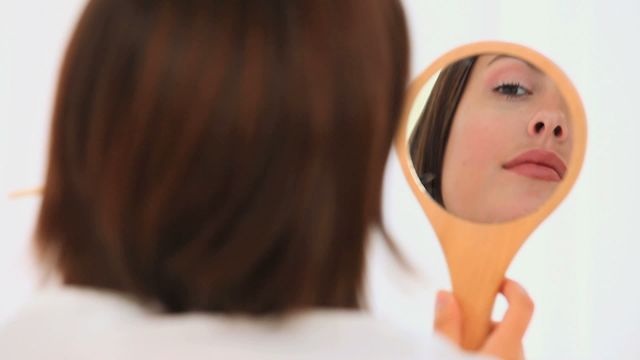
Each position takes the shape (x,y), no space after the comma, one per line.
(428,141)
(223,155)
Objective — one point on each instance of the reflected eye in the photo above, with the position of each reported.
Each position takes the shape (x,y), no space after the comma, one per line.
(512,90)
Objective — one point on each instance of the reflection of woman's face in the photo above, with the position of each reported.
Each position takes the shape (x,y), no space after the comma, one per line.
(509,142)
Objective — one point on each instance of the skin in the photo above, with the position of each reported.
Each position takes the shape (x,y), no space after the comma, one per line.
(508,108)
(505,339)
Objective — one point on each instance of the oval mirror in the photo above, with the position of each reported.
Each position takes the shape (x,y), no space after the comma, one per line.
(492,139)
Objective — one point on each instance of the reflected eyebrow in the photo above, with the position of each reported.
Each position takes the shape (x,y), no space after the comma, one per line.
(498,57)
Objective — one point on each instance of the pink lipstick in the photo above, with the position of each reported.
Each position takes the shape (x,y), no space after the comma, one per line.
(538,164)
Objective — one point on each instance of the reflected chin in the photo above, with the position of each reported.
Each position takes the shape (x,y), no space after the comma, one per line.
(521,206)
(513,205)
(509,197)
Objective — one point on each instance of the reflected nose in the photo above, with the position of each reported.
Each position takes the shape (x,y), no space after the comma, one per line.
(549,124)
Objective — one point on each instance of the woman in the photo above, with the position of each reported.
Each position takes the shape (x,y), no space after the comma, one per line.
(494,139)
(215,167)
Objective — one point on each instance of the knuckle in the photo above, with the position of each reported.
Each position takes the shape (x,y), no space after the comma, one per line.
(527,303)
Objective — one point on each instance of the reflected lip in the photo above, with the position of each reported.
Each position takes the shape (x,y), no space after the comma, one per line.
(538,164)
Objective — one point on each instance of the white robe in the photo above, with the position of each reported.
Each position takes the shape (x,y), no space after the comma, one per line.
(80,323)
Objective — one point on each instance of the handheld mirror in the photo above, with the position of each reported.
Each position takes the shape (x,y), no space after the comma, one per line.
(492,139)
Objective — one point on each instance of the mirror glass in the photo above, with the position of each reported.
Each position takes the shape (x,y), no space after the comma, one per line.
(490,137)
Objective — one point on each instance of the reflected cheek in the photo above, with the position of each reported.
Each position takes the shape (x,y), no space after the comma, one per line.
(475,146)
(471,163)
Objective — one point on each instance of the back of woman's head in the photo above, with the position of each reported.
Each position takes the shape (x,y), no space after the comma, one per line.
(223,155)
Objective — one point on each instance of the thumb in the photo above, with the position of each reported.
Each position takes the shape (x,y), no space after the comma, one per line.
(448,317)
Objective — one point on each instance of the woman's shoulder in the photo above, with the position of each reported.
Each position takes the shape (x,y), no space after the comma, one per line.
(76,323)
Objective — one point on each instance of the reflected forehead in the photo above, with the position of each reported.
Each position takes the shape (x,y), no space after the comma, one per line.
(498,57)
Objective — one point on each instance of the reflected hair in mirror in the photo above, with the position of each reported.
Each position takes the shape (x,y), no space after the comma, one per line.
(428,141)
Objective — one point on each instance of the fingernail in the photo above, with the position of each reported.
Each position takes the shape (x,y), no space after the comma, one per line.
(442,299)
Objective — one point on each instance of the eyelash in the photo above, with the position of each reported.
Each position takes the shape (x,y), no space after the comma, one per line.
(512,87)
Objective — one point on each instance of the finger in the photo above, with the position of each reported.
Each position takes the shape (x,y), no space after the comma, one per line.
(518,315)
(493,326)
(448,317)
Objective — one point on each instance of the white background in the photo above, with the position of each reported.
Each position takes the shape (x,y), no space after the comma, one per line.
(580,265)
